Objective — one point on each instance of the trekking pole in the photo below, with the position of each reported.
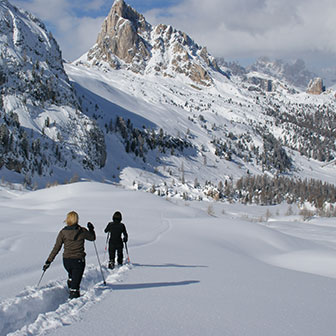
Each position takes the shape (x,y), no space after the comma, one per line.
(41,278)
(101,270)
(128,258)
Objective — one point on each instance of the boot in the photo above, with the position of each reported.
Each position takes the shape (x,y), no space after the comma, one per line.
(111,264)
(74,294)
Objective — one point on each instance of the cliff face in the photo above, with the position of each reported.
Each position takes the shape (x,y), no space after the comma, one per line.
(128,41)
(122,39)
(315,86)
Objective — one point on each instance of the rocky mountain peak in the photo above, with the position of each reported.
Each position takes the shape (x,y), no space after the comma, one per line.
(128,41)
(294,73)
(120,39)
(120,10)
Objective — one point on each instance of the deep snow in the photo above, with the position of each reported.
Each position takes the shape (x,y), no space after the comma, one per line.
(191,273)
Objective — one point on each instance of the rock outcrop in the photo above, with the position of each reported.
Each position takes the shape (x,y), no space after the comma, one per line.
(264,84)
(120,39)
(316,86)
(128,41)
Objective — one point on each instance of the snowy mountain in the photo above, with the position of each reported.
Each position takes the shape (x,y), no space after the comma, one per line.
(128,41)
(294,73)
(154,111)
(242,121)
(42,132)
(141,117)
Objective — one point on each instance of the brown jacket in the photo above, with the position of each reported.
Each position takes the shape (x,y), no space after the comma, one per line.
(73,239)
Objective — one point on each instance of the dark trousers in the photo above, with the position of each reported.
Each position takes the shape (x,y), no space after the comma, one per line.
(75,269)
(112,253)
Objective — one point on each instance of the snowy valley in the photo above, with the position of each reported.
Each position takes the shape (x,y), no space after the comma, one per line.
(225,177)
(146,104)
(191,273)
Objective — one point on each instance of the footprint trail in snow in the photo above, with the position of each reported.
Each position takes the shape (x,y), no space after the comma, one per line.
(38,310)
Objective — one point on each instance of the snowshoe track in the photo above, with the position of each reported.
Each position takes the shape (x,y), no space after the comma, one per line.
(36,311)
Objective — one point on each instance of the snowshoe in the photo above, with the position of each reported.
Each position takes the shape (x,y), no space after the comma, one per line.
(111,265)
(74,294)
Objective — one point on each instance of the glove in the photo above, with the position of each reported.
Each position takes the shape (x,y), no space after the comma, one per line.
(90,226)
(125,240)
(46,265)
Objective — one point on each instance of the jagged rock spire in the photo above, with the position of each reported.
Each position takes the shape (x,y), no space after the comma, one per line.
(120,38)
(127,40)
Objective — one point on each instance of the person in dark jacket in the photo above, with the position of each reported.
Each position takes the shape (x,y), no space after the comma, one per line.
(73,237)
(116,229)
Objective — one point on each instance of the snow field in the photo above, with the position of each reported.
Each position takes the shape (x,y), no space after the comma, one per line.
(191,273)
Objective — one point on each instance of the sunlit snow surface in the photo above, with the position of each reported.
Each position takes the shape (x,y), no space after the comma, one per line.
(231,273)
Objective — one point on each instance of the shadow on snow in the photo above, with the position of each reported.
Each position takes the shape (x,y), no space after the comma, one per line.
(170,265)
(151,285)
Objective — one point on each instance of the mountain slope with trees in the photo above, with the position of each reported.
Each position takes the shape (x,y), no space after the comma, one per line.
(143,120)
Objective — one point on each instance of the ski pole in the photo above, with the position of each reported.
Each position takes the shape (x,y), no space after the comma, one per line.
(101,270)
(41,278)
(128,258)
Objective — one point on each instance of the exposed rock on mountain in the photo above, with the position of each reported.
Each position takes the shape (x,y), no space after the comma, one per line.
(261,83)
(231,68)
(128,41)
(295,73)
(316,86)
(123,38)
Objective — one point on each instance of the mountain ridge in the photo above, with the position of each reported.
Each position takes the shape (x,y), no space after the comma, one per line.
(171,134)
(42,128)
(127,40)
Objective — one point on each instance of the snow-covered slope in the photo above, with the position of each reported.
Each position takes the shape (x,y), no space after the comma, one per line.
(232,126)
(43,132)
(226,124)
(135,118)
(191,273)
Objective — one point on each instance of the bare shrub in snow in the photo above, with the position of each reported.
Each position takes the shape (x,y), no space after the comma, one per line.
(210,210)
(306,214)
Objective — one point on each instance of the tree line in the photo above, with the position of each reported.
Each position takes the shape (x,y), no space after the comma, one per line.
(267,190)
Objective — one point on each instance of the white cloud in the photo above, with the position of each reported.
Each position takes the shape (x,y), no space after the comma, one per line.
(49,11)
(75,34)
(235,29)
(253,28)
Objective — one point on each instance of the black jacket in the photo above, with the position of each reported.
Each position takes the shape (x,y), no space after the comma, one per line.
(116,229)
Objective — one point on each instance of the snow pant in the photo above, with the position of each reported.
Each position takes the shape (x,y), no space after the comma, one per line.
(75,269)
(113,248)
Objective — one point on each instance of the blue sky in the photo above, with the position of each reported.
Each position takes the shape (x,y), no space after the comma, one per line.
(103,8)
(146,5)
(235,29)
